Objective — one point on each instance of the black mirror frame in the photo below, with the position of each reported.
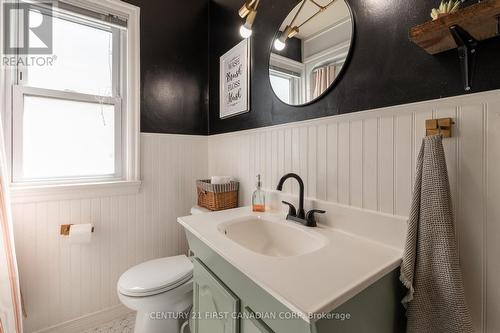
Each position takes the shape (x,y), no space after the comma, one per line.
(339,76)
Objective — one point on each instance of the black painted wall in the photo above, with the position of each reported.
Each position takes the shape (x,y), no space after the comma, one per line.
(174,66)
(385,69)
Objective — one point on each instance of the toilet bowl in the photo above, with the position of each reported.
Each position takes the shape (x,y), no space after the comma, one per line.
(161,292)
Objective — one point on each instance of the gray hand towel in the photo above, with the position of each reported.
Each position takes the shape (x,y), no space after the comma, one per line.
(430,269)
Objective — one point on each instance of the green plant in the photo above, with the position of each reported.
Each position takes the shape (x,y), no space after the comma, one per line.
(446,7)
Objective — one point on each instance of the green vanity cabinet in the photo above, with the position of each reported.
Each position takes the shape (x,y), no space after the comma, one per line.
(217,309)
(211,300)
(251,323)
(219,288)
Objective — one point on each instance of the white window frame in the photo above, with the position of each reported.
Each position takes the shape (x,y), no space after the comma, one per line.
(283,66)
(294,83)
(17,134)
(127,112)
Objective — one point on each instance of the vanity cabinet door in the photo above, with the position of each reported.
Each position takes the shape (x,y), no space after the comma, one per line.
(214,305)
(252,324)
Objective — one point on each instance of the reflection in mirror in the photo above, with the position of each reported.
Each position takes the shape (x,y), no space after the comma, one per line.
(310,50)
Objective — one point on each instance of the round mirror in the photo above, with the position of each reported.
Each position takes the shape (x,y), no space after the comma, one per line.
(310,50)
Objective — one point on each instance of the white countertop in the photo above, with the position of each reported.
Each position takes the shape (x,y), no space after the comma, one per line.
(320,281)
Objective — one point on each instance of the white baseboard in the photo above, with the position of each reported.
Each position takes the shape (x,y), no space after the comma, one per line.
(89,321)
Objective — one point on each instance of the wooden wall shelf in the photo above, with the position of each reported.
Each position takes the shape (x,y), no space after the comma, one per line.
(481,21)
(462,30)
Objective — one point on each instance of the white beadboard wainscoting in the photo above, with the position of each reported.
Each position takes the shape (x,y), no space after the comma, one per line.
(62,282)
(364,159)
(368,159)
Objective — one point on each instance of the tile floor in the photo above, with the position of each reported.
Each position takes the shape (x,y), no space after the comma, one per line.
(120,325)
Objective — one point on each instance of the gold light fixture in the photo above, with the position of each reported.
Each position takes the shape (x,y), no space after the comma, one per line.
(248,10)
(291,30)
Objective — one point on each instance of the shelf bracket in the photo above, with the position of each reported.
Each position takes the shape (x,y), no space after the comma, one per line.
(467,49)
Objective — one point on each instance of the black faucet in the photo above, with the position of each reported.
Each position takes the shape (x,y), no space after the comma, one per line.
(299,216)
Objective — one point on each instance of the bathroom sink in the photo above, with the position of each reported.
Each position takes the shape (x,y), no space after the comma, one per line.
(275,239)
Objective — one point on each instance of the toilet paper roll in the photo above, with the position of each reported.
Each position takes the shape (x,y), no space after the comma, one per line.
(80,233)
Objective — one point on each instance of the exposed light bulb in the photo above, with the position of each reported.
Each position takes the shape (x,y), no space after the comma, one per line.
(245,32)
(279,45)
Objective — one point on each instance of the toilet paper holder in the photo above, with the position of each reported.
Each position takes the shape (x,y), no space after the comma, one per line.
(65,229)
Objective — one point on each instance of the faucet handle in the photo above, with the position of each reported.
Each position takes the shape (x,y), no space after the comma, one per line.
(291,209)
(311,219)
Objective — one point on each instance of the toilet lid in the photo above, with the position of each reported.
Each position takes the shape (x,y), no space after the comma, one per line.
(156,276)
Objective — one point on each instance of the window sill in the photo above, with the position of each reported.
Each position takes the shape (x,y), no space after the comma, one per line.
(27,194)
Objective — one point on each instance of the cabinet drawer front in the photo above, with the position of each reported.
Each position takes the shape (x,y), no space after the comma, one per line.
(252,324)
(214,305)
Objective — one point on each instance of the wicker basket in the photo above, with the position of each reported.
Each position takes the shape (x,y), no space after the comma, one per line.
(217,196)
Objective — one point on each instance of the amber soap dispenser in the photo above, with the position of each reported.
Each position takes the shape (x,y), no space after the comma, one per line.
(259,198)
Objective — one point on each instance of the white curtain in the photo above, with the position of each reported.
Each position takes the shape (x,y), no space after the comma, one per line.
(321,79)
(10,298)
(10,295)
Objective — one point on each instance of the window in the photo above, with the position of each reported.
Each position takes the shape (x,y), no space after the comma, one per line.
(75,120)
(59,136)
(282,87)
(286,86)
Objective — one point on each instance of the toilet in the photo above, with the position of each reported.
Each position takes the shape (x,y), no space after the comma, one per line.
(160,290)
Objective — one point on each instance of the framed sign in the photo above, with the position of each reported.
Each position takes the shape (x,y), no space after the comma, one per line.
(234,92)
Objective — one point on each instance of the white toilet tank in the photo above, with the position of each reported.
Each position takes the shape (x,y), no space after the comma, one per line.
(197,210)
